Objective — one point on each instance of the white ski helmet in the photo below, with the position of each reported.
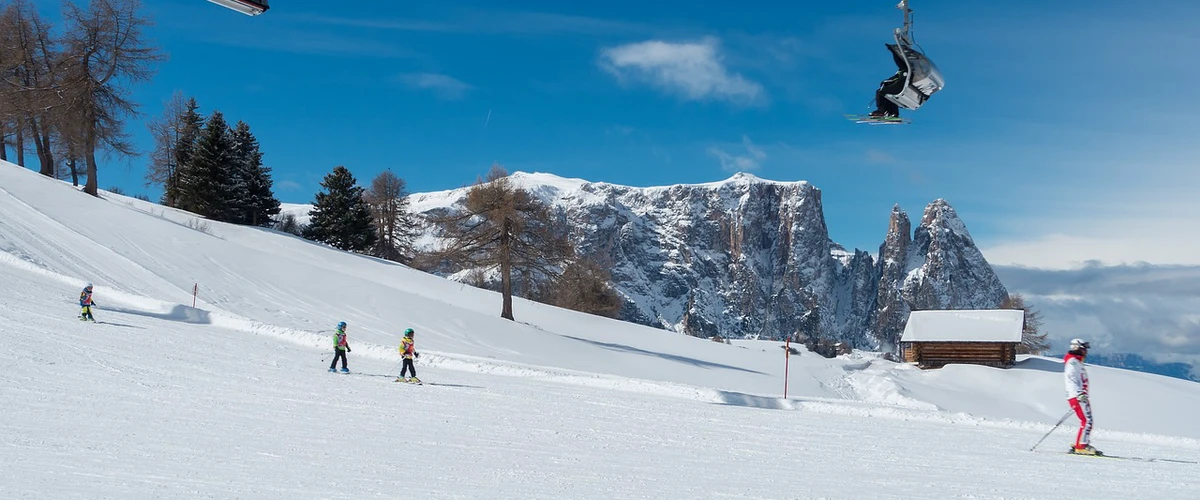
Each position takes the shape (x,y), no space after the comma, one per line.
(1078,344)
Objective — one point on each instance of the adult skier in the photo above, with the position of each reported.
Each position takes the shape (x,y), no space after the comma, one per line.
(408,351)
(86,303)
(340,347)
(1077,393)
(885,108)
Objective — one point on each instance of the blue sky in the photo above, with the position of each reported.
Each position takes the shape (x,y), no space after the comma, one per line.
(1059,125)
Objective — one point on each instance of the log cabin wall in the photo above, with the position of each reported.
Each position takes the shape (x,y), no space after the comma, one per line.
(939,354)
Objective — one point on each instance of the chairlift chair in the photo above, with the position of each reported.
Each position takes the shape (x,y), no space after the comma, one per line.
(922,78)
(248,7)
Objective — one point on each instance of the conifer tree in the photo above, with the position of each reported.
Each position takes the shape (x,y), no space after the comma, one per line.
(191,124)
(205,185)
(258,204)
(340,216)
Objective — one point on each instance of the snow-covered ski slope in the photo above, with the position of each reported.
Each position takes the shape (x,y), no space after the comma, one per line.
(231,399)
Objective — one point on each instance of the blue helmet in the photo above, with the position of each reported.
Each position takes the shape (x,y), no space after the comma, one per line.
(341,325)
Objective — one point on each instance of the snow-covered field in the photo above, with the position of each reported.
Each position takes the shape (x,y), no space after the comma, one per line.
(231,399)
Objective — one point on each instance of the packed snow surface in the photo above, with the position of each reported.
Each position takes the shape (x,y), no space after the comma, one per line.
(231,398)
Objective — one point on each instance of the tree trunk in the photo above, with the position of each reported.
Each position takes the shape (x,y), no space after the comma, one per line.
(506,270)
(89,154)
(73,165)
(20,144)
(41,139)
(171,188)
(3,142)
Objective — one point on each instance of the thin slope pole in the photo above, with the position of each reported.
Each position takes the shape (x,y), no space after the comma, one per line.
(787,359)
(1060,421)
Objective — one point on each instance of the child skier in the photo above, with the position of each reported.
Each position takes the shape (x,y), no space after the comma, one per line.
(86,303)
(1077,394)
(408,352)
(340,348)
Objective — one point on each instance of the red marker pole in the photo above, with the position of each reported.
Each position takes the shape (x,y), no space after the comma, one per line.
(787,360)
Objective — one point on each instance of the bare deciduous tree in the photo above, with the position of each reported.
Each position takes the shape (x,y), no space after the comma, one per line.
(395,226)
(501,227)
(166,129)
(31,69)
(105,47)
(1033,341)
(585,286)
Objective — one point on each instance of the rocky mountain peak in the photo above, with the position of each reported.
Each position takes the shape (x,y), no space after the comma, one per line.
(940,216)
(748,257)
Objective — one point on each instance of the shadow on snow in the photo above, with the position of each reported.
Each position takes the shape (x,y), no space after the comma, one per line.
(179,313)
(669,357)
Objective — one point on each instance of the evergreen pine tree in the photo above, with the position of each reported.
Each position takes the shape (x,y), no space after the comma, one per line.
(236,191)
(190,127)
(340,216)
(259,204)
(206,185)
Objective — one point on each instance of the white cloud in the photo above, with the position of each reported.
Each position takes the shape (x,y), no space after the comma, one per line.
(693,70)
(1140,233)
(880,157)
(445,86)
(1144,309)
(750,161)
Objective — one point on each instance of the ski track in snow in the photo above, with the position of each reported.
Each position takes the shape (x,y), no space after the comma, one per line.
(162,400)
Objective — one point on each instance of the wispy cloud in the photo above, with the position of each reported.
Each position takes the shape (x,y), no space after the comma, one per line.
(879,157)
(750,161)
(623,130)
(490,22)
(445,86)
(287,185)
(309,42)
(693,70)
(1144,309)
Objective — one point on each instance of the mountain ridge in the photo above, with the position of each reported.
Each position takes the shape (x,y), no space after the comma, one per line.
(750,257)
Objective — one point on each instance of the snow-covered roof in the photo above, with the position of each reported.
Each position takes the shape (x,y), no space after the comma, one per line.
(985,325)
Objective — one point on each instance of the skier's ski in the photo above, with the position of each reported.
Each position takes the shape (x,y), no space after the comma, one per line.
(878,120)
(1139,459)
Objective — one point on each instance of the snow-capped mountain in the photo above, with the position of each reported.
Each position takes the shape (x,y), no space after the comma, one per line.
(748,257)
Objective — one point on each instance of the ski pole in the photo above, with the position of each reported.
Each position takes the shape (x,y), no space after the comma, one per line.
(1060,421)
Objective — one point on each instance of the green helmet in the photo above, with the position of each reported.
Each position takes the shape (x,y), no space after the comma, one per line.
(408,332)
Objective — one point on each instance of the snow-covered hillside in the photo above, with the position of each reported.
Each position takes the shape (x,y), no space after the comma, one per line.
(230,399)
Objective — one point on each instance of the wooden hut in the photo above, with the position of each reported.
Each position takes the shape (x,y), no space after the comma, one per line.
(933,339)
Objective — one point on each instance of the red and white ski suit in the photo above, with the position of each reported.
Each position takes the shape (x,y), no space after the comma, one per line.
(1077,385)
